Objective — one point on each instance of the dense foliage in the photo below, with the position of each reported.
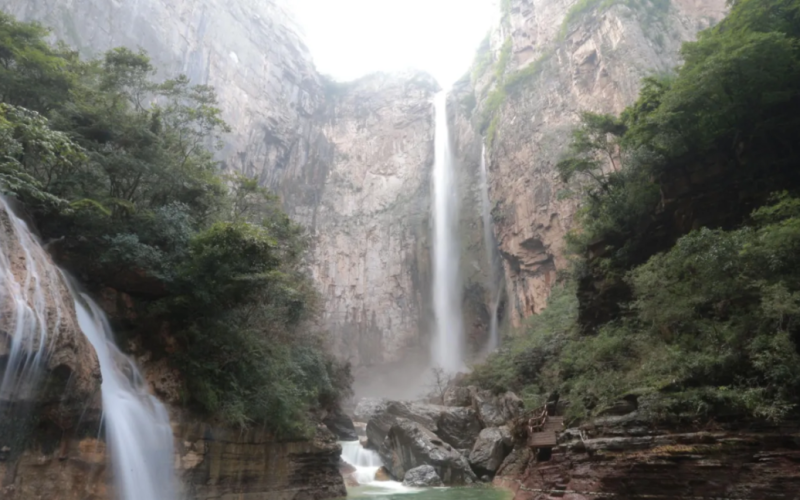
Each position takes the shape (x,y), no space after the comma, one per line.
(710,324)
(120,169)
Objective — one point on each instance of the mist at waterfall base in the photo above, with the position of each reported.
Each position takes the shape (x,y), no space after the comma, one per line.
(137,427)
(448,340)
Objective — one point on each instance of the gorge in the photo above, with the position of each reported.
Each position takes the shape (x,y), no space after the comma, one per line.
(590,223)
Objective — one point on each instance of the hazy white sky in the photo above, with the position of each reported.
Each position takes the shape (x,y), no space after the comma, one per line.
(350,38)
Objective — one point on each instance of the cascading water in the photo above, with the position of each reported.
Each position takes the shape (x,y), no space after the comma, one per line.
(366,463)
(448,345)
(24,316)
(137,425)
(491,256)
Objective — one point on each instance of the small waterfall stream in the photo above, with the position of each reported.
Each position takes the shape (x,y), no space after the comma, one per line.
(137,426)
(448,344)
(367,462)
(26,316)
(492,259)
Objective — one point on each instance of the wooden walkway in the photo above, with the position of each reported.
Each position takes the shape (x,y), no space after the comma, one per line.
(542,430)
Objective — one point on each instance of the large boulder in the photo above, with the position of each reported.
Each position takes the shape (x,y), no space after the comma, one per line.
(409,445)
(341,426)
(457,396)
(458,427)
(495,411)
(424,476)
(386,415)
(367,408)
(491,448)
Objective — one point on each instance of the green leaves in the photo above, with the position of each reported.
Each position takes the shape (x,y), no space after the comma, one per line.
(121,167)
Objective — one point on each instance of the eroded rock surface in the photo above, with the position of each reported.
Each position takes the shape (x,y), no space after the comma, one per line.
(491,448)
(211,463)
(424,476)
(409,445)
(630,461)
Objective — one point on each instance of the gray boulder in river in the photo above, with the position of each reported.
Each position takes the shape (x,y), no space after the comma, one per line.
(409,445)
(424,476)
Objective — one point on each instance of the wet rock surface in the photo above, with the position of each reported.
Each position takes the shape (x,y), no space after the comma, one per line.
(458,427)
(494,411)
(424,476)
(384,417)
(341,426)
(619,457)
(491,448)
(409,445)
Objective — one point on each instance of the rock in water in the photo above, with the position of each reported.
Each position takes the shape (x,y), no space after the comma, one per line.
(385,416)
(458,427)
(341,426)
(409,445)
(491,448)
(423,476)
(383,475)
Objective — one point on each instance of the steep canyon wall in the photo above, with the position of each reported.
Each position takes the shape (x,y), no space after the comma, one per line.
(556,65)
(351,161)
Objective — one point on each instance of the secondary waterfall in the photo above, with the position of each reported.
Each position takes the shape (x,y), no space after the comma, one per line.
(366,462)
(448,344)
(25,318)
(137,426)
(492,259)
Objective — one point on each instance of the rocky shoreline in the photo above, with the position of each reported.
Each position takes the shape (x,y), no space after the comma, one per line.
(627,453)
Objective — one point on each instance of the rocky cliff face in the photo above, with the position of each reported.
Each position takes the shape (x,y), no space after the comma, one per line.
(248,50)
(632,457)
(210,463)
(350,161)
(370,255)
(594,62)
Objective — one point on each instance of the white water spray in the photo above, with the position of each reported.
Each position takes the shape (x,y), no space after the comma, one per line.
(491,257)
(137,425)
(448,344)
(26,287)
(367,462)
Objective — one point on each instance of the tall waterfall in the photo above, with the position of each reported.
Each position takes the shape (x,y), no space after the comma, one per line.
(137,426)
(448,345)
(492,259)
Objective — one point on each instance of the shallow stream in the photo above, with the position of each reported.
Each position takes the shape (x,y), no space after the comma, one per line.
(482,493)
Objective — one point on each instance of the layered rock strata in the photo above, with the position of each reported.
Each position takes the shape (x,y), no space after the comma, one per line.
(628,457)
(211,462)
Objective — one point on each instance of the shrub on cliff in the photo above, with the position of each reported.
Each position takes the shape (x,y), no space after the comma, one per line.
(711,324)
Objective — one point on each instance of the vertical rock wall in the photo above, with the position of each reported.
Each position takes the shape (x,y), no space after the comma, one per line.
(370,255)
(595,63)
(349,161)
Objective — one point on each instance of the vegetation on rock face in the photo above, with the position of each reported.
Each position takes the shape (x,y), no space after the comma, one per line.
(120,169)
(690,205)
(652,10)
